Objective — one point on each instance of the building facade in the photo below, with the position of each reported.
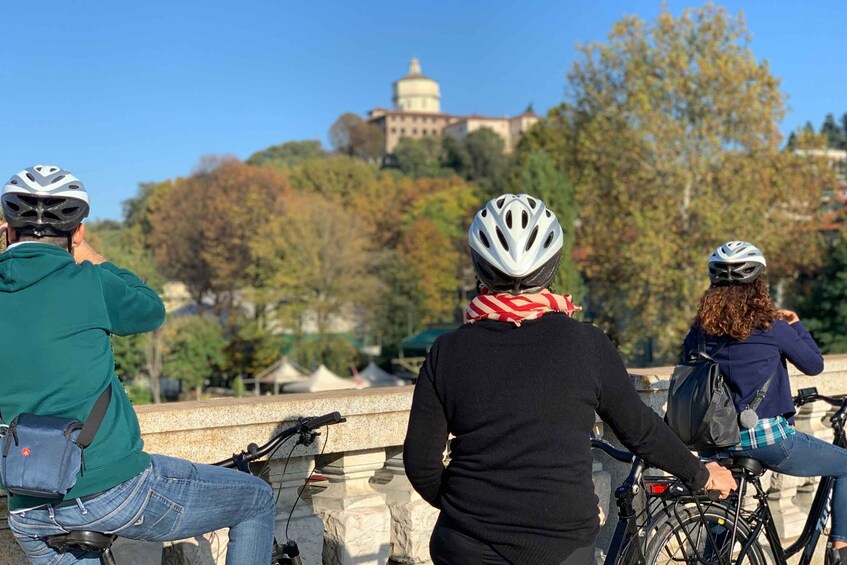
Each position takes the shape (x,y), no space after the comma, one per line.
(417,114)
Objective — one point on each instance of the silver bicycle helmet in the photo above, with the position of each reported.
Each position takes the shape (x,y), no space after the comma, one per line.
(516,244)
(44,200)
(736,262)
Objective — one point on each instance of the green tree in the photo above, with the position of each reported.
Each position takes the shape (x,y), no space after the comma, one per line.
(398,310)
(535,174)
(821,304)
(833,133)
(671,139)
(488,164)
(334,351)
(195,349)
(419,157)
(315,257)
(288,154)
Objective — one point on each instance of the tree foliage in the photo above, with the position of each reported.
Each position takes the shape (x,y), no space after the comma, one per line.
(288,154)
(821,304)
(202,227)
(671,139)
(195,348)
(534,173)
(353,136)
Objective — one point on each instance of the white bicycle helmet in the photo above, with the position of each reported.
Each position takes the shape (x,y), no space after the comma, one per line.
(516,244)
(44,200)
(736,262)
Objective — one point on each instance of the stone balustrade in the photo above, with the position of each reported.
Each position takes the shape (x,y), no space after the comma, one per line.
(362,509)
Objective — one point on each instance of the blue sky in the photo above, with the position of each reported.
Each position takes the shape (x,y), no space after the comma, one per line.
(125,92)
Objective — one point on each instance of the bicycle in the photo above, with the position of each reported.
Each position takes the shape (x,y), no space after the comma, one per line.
(287,553)
(632,532)
(694,530)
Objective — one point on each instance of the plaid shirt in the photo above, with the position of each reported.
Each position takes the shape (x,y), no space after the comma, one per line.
(768,431)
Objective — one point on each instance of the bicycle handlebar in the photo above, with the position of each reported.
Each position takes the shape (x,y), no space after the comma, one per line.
(611,450)
(303,426)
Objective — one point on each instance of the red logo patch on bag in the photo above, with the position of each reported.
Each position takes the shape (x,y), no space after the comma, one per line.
(26,451)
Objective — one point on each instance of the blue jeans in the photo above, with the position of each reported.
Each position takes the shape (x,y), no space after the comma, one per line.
(802,455)
(172,499)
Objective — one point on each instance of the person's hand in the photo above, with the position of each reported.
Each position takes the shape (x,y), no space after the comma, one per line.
(720,479)
(84,252)
(789,316)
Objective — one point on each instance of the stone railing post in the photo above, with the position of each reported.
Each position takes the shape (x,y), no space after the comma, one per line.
(412,518)
(305,527)
(357,523)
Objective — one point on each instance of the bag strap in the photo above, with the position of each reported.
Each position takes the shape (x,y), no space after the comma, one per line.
(760,394)
(95,418)
(701,345)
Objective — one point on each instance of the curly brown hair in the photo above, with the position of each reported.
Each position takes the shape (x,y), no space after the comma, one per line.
(736,310)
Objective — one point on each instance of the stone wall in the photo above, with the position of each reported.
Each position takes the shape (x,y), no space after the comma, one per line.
(364,510)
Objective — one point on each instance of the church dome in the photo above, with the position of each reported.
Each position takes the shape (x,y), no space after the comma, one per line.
(416,92)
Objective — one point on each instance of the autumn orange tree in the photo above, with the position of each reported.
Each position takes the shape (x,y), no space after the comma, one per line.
(670,136)
(202,227)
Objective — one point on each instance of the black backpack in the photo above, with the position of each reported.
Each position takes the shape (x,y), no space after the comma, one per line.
(700,407)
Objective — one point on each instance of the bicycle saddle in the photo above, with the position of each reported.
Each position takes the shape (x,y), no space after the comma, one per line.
(750,467)
(81,540)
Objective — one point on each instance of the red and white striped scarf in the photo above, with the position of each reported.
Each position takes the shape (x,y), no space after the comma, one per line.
(516,308)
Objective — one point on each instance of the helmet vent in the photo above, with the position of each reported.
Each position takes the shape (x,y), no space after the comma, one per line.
(38,168)
(484,240)
(57,179)
(509,219)
(13,181)
(500,202)
(73,186)
(29,214)
(524,219)
(484,212)
(51,216)
(502,239)
(13,206)
(548,241)
(30,177)
(53,169)
(532,203)
(71,210)
(548,213)
(532,237)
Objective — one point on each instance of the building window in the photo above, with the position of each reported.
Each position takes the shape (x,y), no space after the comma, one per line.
(402,131)
(415,131)
(414,118)
(423,131)
(393,130)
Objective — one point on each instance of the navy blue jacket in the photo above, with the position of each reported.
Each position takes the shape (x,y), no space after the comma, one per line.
(748,364)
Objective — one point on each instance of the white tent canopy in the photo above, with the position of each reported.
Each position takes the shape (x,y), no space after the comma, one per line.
(373,375)
(282,372)
(321,379)
(279,374)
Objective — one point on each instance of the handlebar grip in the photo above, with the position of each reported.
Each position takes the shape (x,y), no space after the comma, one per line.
(320,421)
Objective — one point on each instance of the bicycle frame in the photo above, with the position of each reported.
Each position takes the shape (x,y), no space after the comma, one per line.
(761,517)
(624,497)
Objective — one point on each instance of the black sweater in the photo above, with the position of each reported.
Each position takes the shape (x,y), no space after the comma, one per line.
(520,402)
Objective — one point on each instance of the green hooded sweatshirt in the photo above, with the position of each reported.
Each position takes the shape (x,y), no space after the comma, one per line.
(56,358)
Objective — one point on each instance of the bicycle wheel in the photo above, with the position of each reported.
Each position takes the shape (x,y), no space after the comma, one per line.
(684,535)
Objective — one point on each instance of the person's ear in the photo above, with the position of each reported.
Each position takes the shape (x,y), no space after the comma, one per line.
(11,235)
(78,235)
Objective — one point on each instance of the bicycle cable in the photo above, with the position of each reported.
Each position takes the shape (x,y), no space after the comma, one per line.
(305,483)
